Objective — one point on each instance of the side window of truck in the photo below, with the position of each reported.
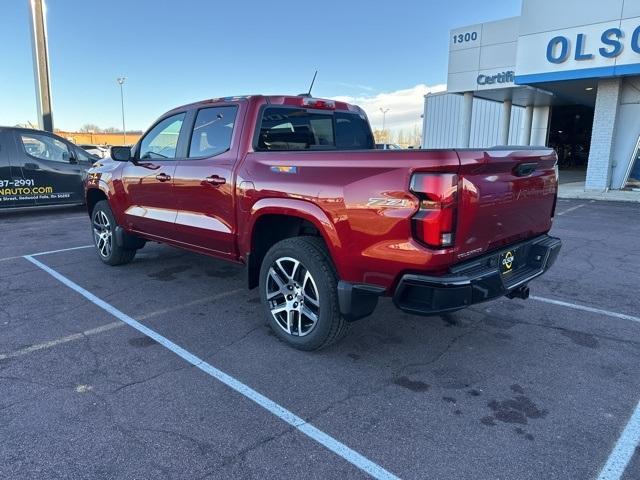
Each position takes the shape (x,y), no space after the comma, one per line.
(300,129)
(45,147)
(162,141)
(212,131)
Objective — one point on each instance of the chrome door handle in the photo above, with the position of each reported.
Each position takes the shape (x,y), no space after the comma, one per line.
(163,177)
(215,180)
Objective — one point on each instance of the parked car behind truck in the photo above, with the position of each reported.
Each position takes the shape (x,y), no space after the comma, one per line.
(40,168)
(293,189)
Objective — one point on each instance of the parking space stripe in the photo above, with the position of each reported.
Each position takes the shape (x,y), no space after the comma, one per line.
(623,450)
(212,298)
(10,258)
(61,340)
(279,411)
(58,251)
(630,438)
(571,209)
(45,253)
(585,308)
(110,326)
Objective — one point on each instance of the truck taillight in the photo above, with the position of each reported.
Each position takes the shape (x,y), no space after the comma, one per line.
(434,223)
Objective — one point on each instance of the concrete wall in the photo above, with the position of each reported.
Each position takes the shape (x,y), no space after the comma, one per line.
(100,138)
(627,129)
(616,127)
(604,126)
(441,125)
(540,125)
(492,52)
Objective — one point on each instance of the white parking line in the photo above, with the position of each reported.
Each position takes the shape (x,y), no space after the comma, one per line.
(630,437)
(571,209)
(624,449)
(46,253)
(60,341)
(585,308)
(10,258)
(279,411)
(110,326)
(59,250)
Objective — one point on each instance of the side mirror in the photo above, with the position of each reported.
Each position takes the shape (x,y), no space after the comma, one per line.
(121,154)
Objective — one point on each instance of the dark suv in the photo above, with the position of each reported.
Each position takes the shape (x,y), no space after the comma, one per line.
(40,168)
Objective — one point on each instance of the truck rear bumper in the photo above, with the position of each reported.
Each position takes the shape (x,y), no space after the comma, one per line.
(481,279)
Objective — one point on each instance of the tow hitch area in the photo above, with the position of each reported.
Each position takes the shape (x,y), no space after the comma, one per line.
(520,292)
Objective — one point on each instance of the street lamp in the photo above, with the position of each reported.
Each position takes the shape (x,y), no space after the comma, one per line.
(384,116)
(121,80)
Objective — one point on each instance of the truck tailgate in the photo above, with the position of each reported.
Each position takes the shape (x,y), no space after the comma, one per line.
(506,196)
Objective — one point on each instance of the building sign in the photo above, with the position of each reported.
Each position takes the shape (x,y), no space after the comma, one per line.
(483,56)
(498,78)
(599,50)
(559,48)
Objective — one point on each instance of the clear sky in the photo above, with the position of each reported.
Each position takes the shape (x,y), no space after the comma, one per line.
(173,52)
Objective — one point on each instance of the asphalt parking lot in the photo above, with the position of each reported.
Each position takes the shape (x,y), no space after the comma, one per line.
(509,389)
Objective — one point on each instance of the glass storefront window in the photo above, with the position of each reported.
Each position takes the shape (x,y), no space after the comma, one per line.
(632,178)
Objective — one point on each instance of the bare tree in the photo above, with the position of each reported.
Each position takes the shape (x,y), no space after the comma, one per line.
(90,128)
(381,136)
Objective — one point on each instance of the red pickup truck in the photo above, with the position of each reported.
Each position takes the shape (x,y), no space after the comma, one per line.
(293,188)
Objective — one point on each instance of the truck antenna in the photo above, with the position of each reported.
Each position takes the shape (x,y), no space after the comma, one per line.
(308,94)
(312,82)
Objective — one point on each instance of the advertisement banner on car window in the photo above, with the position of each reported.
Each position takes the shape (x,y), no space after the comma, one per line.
(27,190)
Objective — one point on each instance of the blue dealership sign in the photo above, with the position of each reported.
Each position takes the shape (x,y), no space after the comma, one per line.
(593,51)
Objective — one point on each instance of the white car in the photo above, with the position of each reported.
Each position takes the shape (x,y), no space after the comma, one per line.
(100,151)
(388,146)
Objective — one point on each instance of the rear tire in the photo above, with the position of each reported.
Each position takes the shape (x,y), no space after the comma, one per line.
(103,225)
(298,289)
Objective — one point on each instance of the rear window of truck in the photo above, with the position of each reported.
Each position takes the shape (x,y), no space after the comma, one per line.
(302,129)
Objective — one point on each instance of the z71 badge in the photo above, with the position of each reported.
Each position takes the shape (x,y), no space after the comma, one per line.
(387,202)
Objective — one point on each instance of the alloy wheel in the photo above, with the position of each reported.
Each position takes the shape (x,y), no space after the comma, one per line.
(292,296)
(102,233)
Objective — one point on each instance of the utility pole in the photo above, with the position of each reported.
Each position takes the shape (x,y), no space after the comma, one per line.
(40,49)
(384,116)
(121,80)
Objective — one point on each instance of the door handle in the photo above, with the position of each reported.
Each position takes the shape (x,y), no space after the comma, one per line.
(31,166)
(163,177)
(215,180)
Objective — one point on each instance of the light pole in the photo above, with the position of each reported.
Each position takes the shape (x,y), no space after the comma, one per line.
(121,80)
(384,116)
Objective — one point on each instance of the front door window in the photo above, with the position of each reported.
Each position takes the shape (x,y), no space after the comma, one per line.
(161,142)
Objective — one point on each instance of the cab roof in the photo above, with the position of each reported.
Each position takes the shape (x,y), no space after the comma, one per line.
(303,100)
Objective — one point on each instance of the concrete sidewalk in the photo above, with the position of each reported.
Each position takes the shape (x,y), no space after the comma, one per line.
(577,190)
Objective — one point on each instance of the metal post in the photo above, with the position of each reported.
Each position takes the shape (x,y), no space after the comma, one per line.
(465,121)
(525,138)
(384,116)
(121,80)
(506,122)
(40,51)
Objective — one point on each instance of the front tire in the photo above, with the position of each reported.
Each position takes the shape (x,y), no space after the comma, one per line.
(298,288)
(104,225)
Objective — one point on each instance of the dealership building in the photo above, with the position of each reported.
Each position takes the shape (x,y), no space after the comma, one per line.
(565,74)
